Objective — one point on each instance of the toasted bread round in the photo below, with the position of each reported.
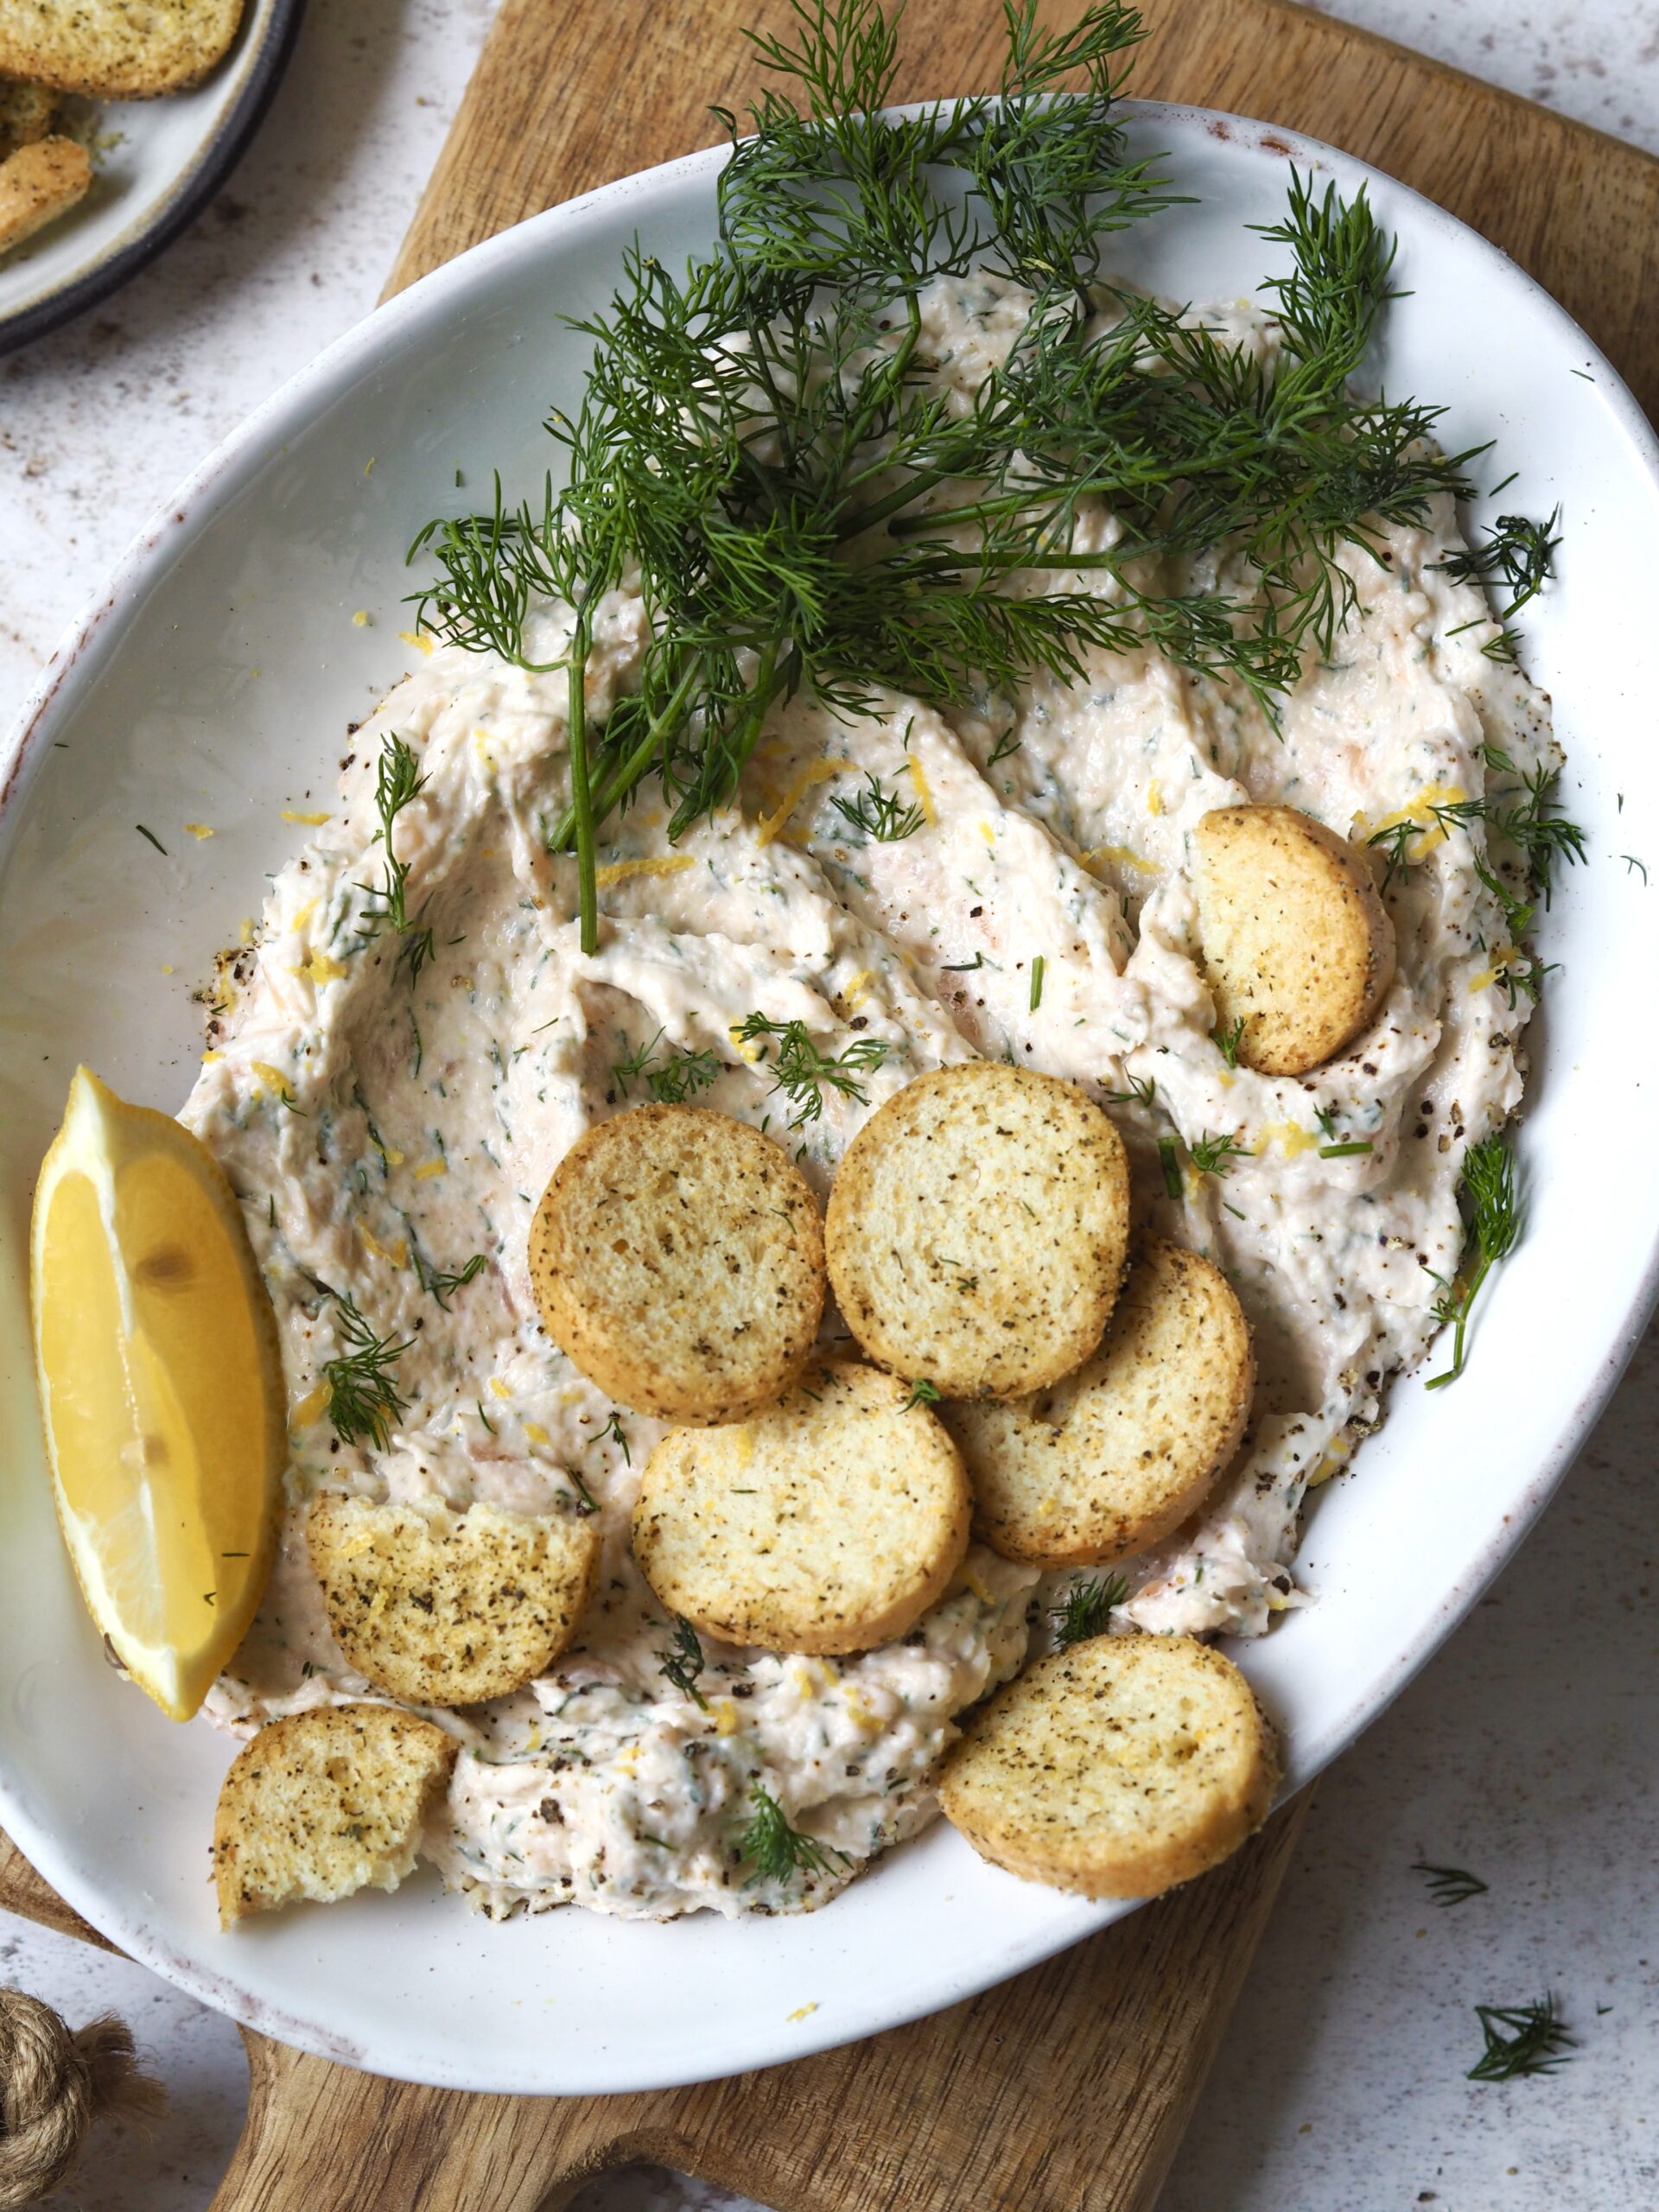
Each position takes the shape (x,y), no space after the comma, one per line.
(977,1228)
(1297,943)
(1115,1769)
(1116,1456)
(677,1257)
(325,1803)
(831,1523)
(116,49)
(446,1608)
(27,114)
(38,184)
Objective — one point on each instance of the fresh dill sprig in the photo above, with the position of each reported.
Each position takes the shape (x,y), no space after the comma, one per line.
(1142,1092)
(1518,553)
(679,1074)
(1228,1040)
(398,781)
(776,1851)
(1215,1155)
(1521,2039)
(1449,1885)
(614,1429)
(922,1393)
(1494,1228)
(1524,815)
(440,1282)
(684,1661)
(364,1400)
(800,1070)
(762,450)
(1085,1609)
(880,814)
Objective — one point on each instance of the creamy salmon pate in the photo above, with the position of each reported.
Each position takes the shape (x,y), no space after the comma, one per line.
(386,1120)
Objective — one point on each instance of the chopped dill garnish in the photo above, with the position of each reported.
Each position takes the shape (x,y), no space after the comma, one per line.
(618,1435)
(922,1393)
(364,1400)
(1494,1228)
(1632,864)
(684,1661)
(1350,1149)
(1541,836)
(1171,1164)
(440,1282)
(962,967)
(800,1070)
(1037,966)
(398,781)
(1215,1155)
(1449,1885)
(748,420)
(586,1502)
(878,815)
(1518,553)
(673,1077)
(1228,1040)
(777,1852)
(1142,1092)
(153,838)
(1085,1609)
(1521,2039)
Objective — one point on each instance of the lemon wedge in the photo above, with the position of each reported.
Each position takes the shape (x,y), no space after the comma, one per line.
(160,1388)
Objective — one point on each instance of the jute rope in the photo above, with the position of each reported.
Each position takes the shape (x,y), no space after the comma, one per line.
(54,2085)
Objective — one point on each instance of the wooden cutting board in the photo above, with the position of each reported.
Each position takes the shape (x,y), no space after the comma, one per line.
(1067,2089)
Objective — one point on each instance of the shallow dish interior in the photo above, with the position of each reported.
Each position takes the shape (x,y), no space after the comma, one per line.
(213,684)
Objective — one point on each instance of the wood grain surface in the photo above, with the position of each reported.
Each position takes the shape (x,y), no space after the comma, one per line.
(570,93)
(1067,2089)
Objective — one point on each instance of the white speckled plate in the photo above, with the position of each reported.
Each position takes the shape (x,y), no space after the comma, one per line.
(155,165)
(211,682)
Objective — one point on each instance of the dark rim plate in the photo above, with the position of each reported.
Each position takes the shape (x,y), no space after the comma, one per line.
(212,165)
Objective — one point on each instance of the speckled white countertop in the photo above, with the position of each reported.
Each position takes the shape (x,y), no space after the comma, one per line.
(1527,1751)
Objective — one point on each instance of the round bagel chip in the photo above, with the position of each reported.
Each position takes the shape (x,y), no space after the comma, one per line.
(828,1524)
(977,1229)
(1115,1769)
(1116,1456)
(677,1257)
(445,1608)
(1298,945)
(324,1802)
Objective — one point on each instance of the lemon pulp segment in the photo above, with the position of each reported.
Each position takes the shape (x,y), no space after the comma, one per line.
(161,1390)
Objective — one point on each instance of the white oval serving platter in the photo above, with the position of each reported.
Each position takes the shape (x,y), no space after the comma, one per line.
(212,681)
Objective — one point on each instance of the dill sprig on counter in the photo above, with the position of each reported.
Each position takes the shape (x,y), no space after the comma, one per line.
(762,452)
(776,1851)
(1494,1228)
(364,1400)
(800,1070)
(1521,2039)
(1086,1610)
(1449,1885)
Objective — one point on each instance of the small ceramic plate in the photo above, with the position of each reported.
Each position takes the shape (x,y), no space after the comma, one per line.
(211,682)
(155,165)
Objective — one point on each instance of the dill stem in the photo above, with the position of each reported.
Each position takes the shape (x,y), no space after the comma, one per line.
(620,778)
(582,796)
(1462,1323)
